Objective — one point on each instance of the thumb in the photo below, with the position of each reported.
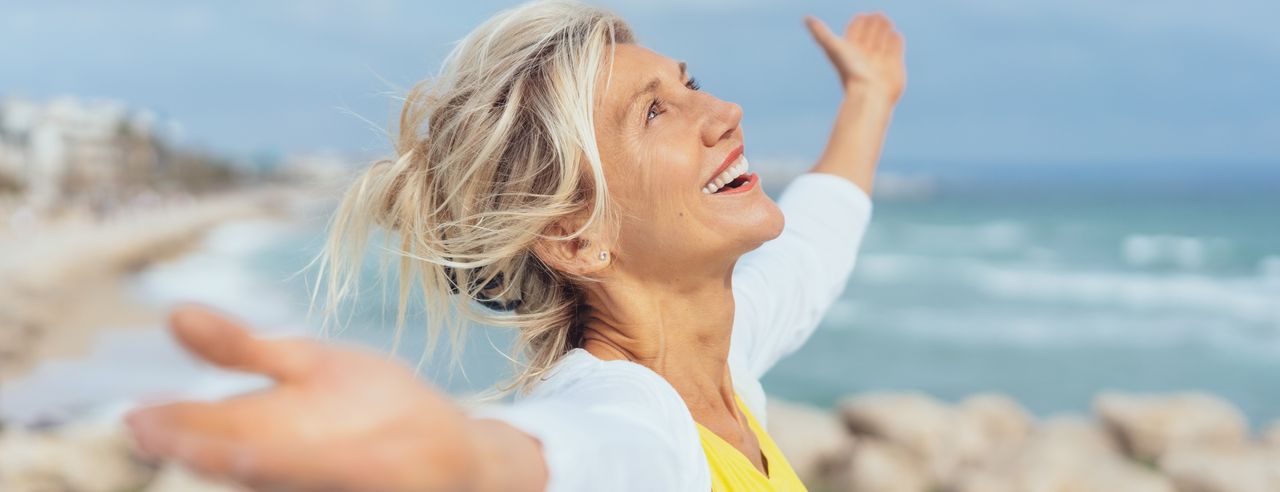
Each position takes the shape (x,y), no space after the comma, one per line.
(829,41)
(227,343)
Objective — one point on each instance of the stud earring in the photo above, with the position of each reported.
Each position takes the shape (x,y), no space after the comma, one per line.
(604,255)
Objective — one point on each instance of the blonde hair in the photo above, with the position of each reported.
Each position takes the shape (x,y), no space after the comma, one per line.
(494,150)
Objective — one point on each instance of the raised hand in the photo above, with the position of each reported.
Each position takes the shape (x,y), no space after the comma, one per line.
(337,419)
(868,57)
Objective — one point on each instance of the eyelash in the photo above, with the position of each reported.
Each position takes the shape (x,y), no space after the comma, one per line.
(656,106)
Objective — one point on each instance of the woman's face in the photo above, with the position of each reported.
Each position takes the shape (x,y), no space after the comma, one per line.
(662,141)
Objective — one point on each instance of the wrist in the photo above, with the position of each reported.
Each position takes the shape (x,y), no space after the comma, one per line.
(872,107)
(502,458)
(869,92)
(480,456)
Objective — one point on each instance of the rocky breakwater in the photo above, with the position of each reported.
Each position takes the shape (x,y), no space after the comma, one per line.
(88,456)
(885,442)
(910,442)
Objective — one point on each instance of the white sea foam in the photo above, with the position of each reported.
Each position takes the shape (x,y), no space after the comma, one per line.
(1030,327)
(905,186)
(145,362)
(1269,268)
(1185,252)
(1248,299)
(997,236)
(221,274)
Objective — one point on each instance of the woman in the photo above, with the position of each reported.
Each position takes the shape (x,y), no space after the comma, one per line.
(588,194)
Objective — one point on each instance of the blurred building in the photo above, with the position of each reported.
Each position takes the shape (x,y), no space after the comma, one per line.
(72,148)
(72,153)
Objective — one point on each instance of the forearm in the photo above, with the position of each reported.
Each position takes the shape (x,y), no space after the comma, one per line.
(853,150)
(505,458)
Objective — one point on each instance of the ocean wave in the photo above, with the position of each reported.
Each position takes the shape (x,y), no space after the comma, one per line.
(1269,268)
(1028,327)
(1185,252)
(997,236)
(1254,299)
(222,274)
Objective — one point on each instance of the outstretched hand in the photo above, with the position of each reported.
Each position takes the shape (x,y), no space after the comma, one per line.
(336,419)
(869,56)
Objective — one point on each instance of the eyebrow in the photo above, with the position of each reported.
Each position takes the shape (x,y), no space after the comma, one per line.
(648,88)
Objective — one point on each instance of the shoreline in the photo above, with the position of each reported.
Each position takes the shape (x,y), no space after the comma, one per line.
(82,336)
(46,267)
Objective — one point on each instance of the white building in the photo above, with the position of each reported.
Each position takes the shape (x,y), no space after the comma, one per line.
(70,148)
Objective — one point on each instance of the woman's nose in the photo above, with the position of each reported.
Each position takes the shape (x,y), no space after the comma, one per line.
(724,120)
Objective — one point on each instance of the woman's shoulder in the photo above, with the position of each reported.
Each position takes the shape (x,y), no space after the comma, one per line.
(580,374)
(620,416)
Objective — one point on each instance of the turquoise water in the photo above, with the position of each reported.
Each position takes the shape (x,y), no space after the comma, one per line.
(1052,295)
(1049,293)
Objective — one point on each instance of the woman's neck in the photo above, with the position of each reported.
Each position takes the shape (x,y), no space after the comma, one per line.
(679,329)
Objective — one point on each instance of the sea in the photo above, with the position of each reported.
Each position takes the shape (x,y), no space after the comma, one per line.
(1050,284)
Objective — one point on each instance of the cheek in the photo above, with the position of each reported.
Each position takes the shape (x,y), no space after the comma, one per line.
(665,176)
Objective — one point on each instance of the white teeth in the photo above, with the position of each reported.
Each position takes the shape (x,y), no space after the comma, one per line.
(730,173)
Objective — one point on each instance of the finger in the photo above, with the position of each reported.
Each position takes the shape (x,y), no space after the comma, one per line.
(877,30)
(215,457)
(896,43)
(227,343)
(830,43)
(856,30)
(154,427)
(281,465)
(268,464)
(200,436)
(891,35)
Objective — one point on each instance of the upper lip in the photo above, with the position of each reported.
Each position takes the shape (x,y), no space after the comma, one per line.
(728,161)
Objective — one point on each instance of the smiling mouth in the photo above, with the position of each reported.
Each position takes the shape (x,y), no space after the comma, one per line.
(731,178)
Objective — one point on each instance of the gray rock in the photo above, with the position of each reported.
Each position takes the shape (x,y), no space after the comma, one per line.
(1271,436)
(942,438)
(85,457)
(879,466)
(1148,426)
(813,440)
(988,425)
(1062,455)
(174,478)
(919,425)
(1230,468)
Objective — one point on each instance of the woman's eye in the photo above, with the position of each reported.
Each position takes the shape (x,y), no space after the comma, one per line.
(653,112)
(693,84)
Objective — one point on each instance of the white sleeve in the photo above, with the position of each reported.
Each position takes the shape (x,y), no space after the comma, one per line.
(783,288)
(616,430)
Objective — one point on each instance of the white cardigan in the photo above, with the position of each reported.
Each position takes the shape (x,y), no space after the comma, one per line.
(619,426)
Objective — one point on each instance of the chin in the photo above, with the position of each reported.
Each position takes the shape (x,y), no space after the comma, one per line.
(765,224)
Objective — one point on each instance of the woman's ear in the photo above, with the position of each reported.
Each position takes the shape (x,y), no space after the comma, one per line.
(583,255)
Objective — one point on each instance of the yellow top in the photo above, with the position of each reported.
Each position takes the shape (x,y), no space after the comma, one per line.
(731,471)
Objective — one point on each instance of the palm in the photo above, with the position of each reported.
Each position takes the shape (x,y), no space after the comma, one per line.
(338,418)
(869,54)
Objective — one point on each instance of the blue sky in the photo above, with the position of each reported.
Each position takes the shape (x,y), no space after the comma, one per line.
(1003,82)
